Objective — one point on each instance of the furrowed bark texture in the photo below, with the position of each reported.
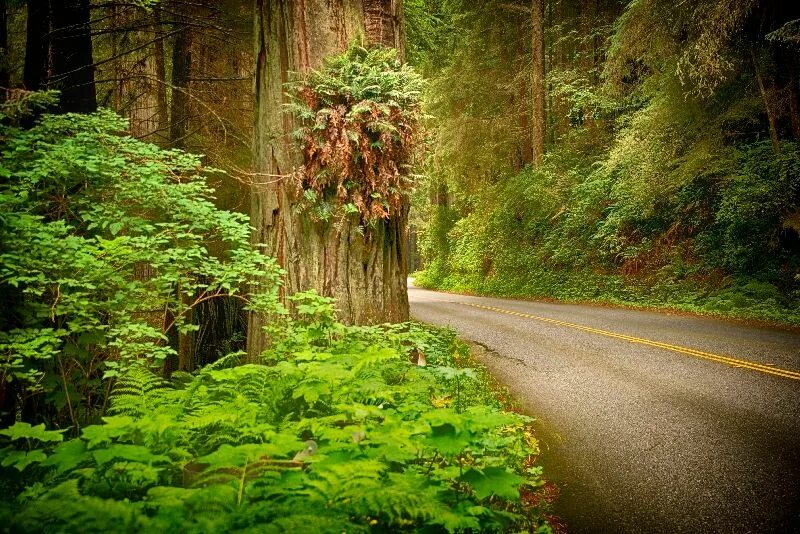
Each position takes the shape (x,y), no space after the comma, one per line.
(181,71)
(366,272)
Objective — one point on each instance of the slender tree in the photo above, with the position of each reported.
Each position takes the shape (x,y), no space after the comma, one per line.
(539,120)
(365,270)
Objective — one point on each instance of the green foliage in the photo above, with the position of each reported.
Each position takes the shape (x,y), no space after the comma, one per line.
(660,185)
(107,243)
(343,433)
(359,120)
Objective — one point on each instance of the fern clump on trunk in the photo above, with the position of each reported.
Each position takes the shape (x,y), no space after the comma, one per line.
(360,121)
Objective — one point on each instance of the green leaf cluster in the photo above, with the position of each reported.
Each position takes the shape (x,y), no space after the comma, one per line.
(106,245)
(339,433)
(359,121)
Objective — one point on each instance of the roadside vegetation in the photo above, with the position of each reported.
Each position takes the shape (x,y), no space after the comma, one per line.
(671,168)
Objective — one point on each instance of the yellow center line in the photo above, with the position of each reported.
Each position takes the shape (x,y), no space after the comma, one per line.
(734,362)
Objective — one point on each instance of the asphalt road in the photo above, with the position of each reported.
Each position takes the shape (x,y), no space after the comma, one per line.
(648,422)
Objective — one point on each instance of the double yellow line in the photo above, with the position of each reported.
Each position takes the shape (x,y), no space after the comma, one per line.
(753,366)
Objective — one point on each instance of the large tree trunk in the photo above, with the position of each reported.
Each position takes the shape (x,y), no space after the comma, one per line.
(37,45)
(365,271)
(181,70)
(384,24)
(537,81)
(161,75)
(73,66)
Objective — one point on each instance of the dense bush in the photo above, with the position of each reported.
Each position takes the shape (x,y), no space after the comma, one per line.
(332,433)
(107,244)
(359,126)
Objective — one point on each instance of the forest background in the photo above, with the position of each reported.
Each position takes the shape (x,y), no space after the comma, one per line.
(663,170)
(643,153)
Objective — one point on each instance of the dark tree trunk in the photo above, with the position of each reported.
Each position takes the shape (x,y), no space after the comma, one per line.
(73,67)
(181,70)
(161,74)
(365,271)
(5,75)
(37,45)
(538,119)
(383,24)
(773,129)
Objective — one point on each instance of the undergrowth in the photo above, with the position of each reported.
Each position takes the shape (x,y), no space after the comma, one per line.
(744,299)
(338,429)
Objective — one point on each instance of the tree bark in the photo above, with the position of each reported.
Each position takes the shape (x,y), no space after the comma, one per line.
(383,24)
(538,119)
(773,130)
(36,45)
(181,71)
(161,72)
(365,271)
(5,75)
(73,67)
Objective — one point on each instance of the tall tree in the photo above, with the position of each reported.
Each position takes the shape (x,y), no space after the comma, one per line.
(161,71)
(5,75)
(365,270)
(539,123)
(181,70)
(37,44)
(71,49)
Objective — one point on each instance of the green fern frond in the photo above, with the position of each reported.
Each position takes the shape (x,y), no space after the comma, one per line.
(138,391)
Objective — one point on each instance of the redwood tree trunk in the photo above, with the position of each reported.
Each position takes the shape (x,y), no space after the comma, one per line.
(73,66)
(5,77)
(365,271)
(181,70)
(537,81)
(161,74)
(36,44)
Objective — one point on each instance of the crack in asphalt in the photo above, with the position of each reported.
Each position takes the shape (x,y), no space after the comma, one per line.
(640,437)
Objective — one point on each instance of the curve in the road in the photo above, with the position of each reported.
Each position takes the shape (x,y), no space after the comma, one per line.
(647,421)
(734,362)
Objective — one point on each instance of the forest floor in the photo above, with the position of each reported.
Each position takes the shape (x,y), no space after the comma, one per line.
(648,421)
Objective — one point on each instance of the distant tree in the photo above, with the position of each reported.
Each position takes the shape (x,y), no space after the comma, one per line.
(539,120)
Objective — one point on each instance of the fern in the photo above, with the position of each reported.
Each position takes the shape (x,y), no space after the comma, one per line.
(138,391)
(343,425)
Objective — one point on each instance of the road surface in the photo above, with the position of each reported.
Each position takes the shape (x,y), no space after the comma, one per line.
(648,421)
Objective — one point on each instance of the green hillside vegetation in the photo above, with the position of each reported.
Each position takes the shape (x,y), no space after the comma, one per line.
(671,175)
